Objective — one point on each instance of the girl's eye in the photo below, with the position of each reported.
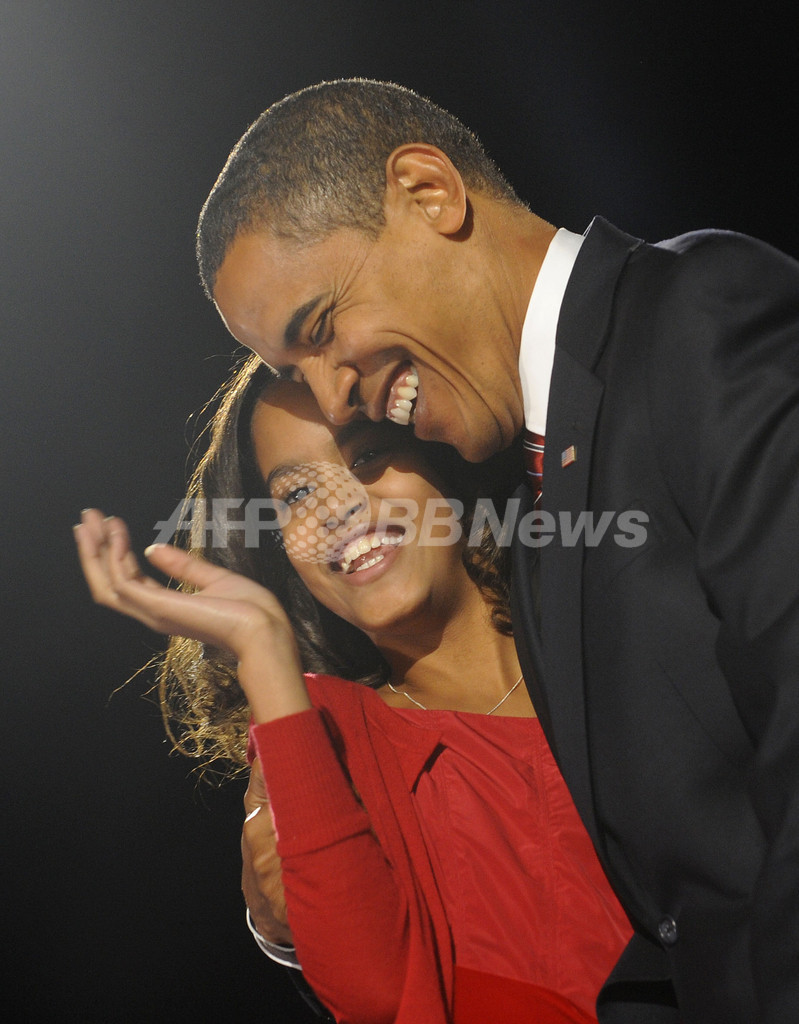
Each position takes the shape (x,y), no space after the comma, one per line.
(370,463)
(298,494)
(367,456)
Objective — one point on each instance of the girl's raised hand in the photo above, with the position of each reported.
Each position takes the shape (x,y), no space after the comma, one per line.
(226,610)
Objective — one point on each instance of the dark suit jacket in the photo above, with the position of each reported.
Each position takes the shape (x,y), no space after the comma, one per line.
(666,673)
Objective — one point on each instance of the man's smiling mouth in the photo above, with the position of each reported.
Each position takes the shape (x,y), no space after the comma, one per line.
(402,396)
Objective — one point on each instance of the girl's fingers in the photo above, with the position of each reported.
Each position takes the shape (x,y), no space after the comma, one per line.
(223,606)
(92,538)
(182,566)
(209,619)
(92,523)
(124,587)
(123,566)
(106,557)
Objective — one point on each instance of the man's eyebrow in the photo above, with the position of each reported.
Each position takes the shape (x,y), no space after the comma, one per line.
(298,318)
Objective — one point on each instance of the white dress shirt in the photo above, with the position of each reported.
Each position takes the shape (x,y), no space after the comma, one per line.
(537,350)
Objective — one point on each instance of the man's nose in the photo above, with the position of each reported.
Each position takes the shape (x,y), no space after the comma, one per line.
(336,390)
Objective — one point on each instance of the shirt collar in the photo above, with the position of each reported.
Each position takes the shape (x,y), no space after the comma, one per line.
(537,351)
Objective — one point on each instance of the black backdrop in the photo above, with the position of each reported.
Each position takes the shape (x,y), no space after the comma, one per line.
(120,876)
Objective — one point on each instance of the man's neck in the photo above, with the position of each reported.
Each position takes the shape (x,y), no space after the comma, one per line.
(518,241)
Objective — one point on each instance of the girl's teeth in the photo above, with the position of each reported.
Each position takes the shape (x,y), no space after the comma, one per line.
(401,416)
(406,391)
(370,562)
(365,544)
(412,380)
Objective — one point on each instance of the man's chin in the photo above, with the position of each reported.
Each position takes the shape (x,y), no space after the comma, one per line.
(472,445)
(480,452)
(476,447)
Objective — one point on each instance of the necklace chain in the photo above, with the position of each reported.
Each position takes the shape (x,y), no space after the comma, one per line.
(413,700)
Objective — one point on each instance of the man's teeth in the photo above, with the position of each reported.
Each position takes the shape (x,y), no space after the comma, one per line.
(401,408)
(363,545)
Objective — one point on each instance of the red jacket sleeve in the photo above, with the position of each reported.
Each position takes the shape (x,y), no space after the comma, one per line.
(347,912)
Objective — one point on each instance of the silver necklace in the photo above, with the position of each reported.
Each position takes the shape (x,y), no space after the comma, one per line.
(413,700)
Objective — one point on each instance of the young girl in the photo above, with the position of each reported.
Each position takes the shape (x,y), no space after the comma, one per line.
(434,866)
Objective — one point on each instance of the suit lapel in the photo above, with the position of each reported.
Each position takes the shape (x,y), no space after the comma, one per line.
(574,403)
(526,608)
(570,427)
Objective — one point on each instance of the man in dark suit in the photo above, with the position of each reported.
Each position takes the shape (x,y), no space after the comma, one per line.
(360,236)
(670,670)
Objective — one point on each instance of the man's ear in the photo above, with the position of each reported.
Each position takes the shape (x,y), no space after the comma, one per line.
(423,178)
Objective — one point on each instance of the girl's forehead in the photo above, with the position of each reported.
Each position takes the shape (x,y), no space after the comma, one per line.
(289,398)
(287,419)
(288,427)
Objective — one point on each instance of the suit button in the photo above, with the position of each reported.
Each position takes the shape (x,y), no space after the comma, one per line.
(667,930)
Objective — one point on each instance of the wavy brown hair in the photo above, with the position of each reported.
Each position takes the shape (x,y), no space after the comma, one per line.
(204,709)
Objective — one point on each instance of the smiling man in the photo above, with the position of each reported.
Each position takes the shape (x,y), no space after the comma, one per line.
(403,293)
(360,237)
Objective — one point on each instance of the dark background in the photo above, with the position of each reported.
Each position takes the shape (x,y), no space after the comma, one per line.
(120,875)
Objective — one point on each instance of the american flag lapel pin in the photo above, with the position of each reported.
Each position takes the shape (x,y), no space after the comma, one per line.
(568,456)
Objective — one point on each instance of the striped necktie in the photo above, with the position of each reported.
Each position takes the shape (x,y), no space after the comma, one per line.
(534,461)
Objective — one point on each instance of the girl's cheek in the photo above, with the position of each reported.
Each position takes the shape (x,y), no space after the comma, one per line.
(335,509)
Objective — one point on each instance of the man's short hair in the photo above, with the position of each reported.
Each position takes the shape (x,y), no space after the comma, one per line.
(316,160)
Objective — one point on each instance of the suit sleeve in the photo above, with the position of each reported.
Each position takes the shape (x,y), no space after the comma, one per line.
(347,913)
(733,381)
